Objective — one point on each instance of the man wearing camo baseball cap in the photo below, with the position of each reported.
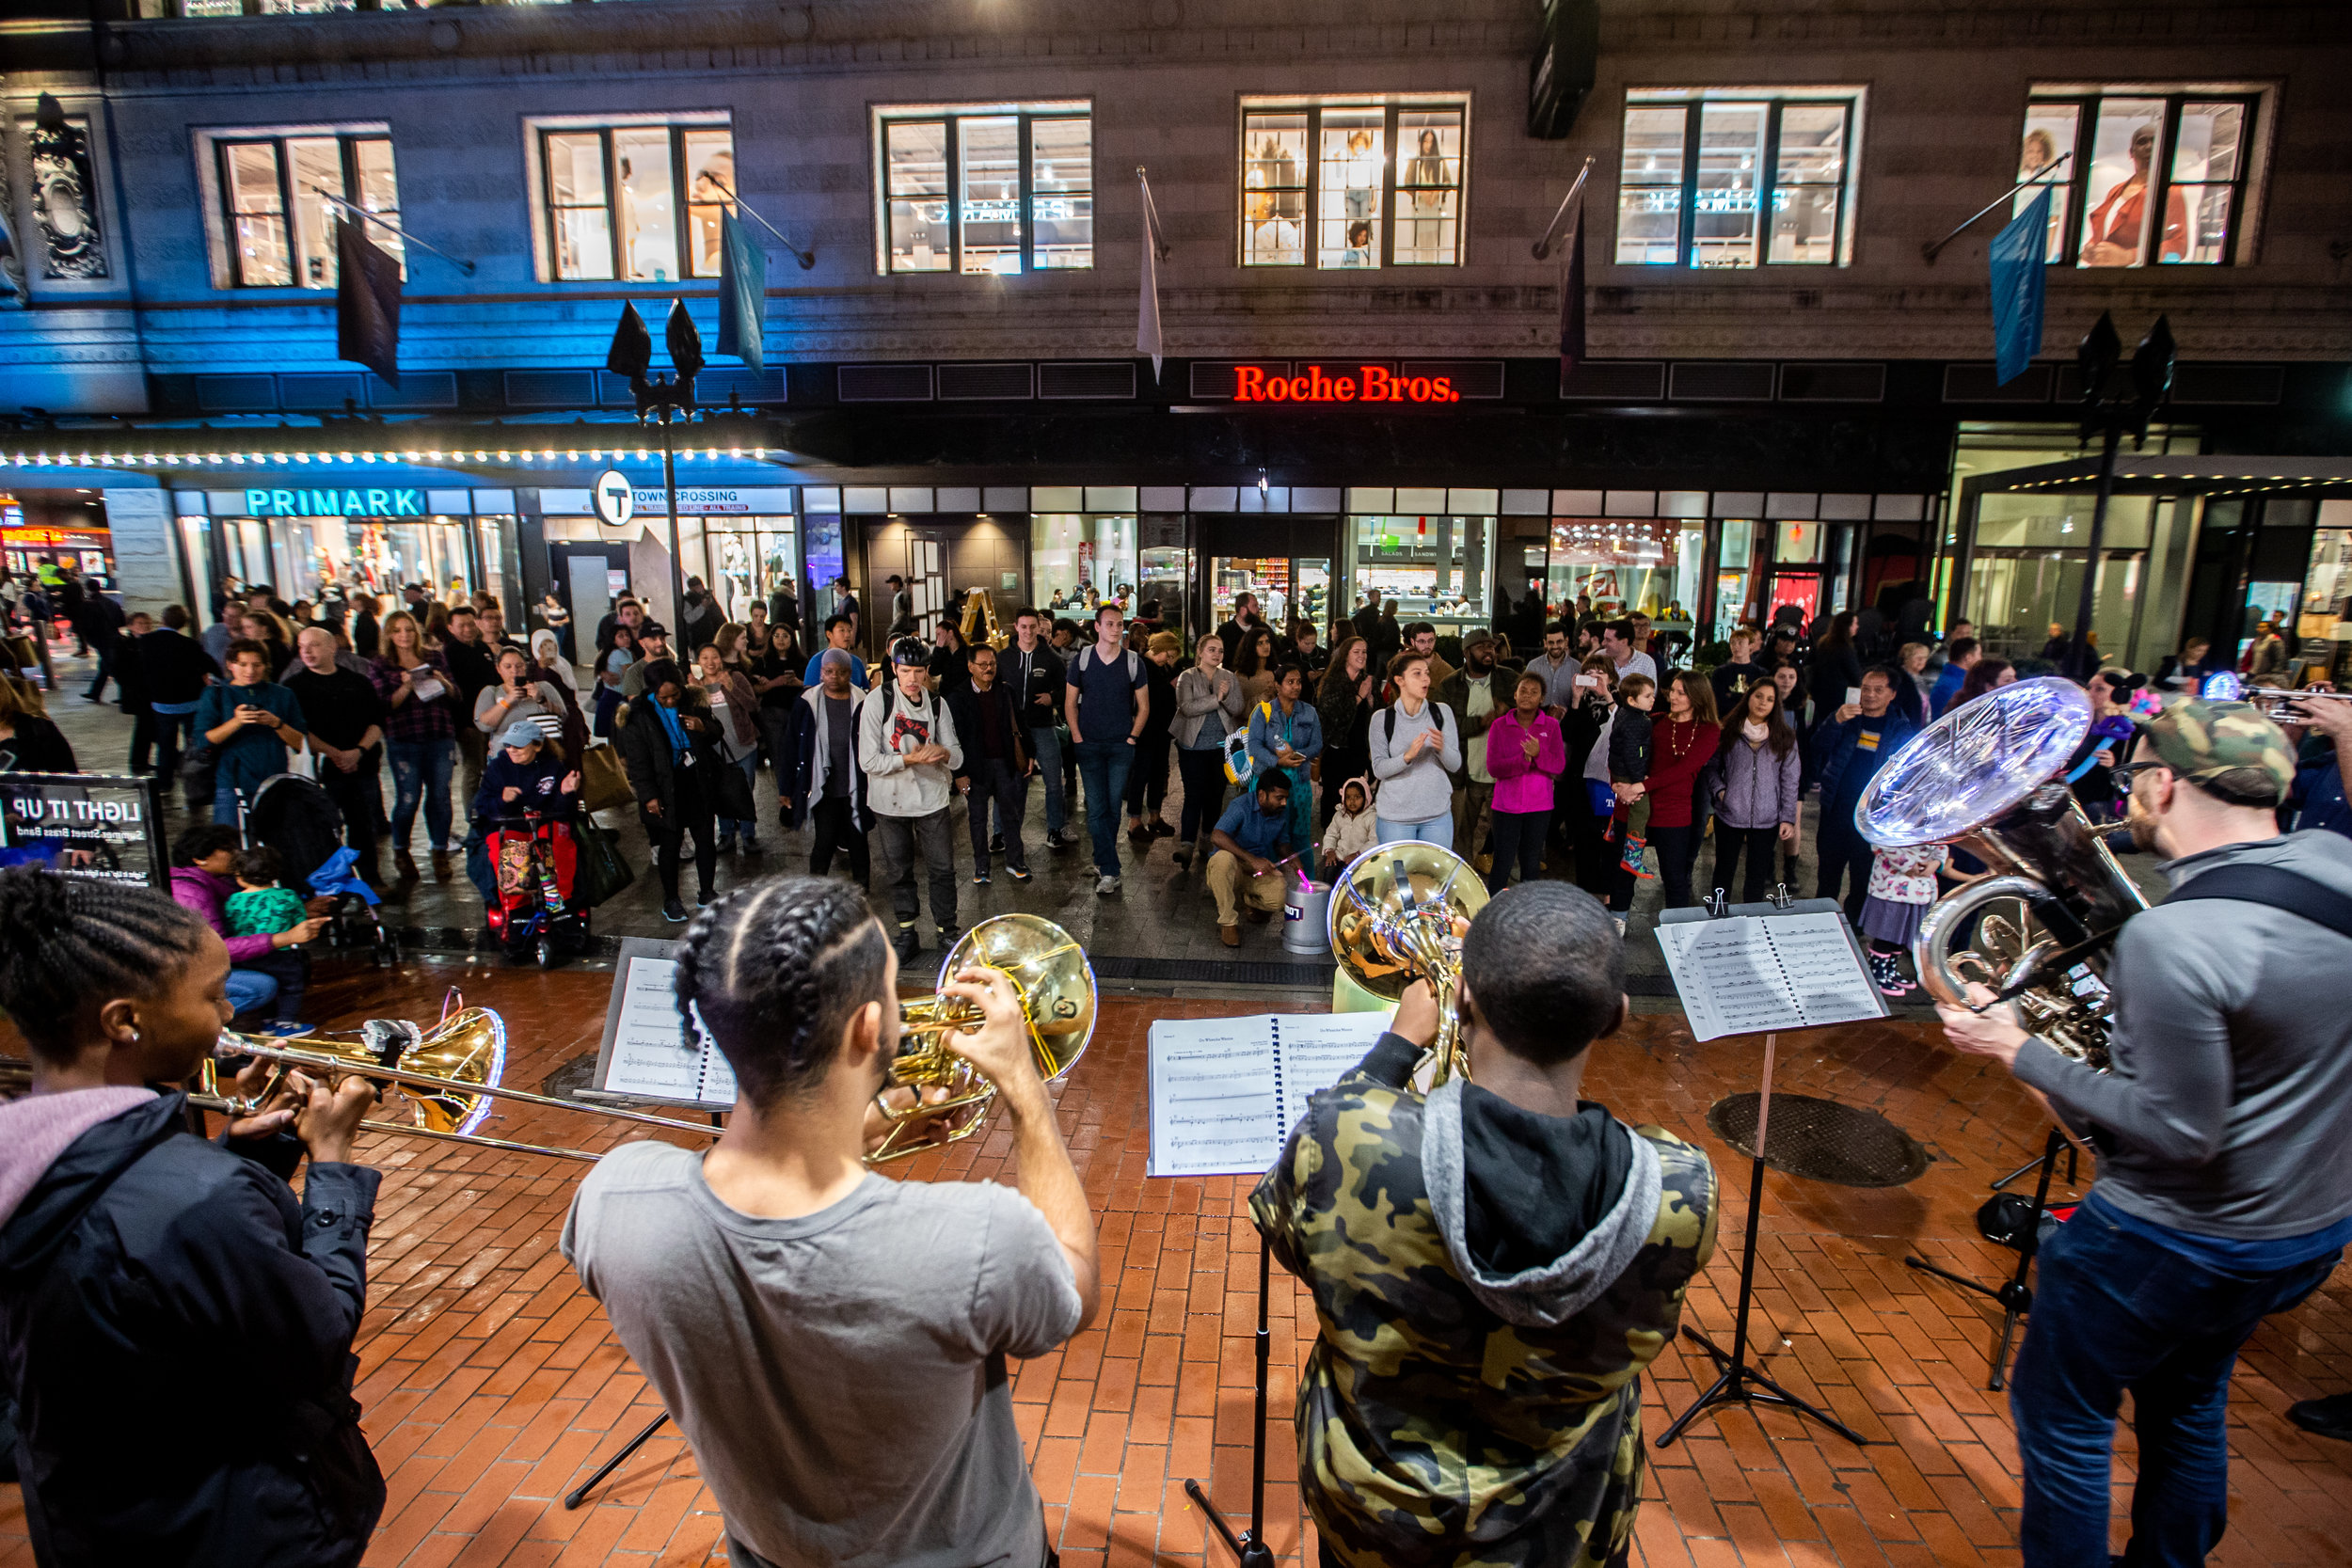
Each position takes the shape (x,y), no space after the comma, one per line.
(2223,1195)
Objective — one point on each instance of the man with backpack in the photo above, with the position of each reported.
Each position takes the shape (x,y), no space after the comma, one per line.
(1105,696)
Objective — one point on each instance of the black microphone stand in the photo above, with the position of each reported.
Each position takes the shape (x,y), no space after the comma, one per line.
(1249,1546)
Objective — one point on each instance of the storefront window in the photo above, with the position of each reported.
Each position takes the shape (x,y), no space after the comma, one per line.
(2328,592)
(1437,569)
(1734,558)
(750,557)
(1076,560)
(303,557)
(1623,564)
(1166,578)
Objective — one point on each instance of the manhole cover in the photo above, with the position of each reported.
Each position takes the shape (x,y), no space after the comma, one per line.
(1822,1139)
(567,1082)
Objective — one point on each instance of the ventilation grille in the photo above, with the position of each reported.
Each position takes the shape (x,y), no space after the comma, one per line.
(1979,384)
(1114,378)
(1700,381)
(550,388)
(1615,381)
(1471,378)
(328,391)
(236,394)
(2239,383)
(967,383)
(1213,378)
(1832,383)
(715,389)
(884,383)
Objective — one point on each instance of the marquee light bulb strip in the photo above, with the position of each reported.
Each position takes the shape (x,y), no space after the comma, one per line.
(431,454)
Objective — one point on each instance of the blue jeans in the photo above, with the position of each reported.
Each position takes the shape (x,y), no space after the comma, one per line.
(1103,764)
(2112,1311)
(1045,743)
(421,770)
(250,990)
(1437,830)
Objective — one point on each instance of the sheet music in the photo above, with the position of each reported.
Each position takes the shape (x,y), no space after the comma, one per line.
(1225,1091)
(651,1055)
(1213,1100)
(1749,975)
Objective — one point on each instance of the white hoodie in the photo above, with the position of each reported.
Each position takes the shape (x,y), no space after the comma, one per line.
(890,724)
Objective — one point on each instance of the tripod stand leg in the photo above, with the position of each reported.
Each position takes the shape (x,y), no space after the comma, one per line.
(1249,1546)
(578,1495)
(2017,1296)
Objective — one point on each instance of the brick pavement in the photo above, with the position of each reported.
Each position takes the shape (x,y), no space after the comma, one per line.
(491,1381)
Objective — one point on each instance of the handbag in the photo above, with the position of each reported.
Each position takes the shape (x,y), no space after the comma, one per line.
(603,782)
(197,765)
(731,795)
(602,870)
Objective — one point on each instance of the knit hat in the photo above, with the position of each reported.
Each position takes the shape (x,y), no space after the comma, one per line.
(2227,745)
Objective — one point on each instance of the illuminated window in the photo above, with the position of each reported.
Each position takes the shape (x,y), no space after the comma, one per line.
(1701,169)
(1352,184)
(997,188)
(2119,157)
(277,220)
(637,203)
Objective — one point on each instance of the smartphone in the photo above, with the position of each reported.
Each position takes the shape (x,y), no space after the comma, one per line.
(1588,681)
(1854,696)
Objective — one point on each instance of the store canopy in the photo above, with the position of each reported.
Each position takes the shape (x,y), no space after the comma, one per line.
(2219,474)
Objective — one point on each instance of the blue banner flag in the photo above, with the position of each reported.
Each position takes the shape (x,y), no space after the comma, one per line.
(2016,259)
(743,291)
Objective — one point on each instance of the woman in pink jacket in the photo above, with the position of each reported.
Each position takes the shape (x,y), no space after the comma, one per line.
(266,971)
(1526,755)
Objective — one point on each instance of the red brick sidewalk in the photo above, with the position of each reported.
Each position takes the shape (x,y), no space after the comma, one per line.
(491,1381)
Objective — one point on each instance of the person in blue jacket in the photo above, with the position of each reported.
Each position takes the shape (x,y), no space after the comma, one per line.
(1285,733)
(1854,742)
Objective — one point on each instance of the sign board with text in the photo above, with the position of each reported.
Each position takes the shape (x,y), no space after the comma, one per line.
(84,825)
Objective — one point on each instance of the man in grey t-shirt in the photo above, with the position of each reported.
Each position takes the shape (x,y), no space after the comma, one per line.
(832,1344)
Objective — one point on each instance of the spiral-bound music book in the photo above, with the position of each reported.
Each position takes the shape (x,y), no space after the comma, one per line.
(647,1054)
(1225,1091)
(1753,974)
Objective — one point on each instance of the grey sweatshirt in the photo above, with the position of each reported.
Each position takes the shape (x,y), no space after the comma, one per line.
(1423,789)
(2229,1107)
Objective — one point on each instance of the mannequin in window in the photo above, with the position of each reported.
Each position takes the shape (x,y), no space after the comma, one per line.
(2116,233)
(1425,177)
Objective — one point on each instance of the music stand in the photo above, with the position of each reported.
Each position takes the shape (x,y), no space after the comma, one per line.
(1249,1546)
(2014,1294)
(1739,1382)
(630,1037)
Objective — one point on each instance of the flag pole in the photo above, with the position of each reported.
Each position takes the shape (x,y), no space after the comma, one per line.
(1551,230)
(406,238)
(806,257)
(2041,175)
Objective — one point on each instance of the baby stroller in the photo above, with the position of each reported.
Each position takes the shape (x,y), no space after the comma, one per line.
(534,859)
(295,816)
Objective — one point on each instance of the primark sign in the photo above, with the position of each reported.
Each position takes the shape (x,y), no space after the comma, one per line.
(377,502)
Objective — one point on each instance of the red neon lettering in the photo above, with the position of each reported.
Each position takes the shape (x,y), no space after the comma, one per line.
(1248,384)
(1343,387)
(1443,386)
(1377,385)
(1277,389)
(1319,390)
(1418,388)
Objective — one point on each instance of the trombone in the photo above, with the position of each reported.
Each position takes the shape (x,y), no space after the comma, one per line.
(448,1076)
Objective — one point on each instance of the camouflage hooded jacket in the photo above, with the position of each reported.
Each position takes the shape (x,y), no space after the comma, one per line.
(1450,1415)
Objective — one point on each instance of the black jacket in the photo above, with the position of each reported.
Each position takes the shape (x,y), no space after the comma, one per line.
(178,1327)
(175,666)
(1047,674)
(646,751)
(963,707)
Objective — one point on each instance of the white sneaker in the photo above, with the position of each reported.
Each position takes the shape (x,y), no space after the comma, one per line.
(1106,886)
(1620,920)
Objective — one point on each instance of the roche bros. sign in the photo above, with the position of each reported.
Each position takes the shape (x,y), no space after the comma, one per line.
(335,503)
(1366,384)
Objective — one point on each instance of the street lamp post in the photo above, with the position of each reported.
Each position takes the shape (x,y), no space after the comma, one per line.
(2114,395)
(667,402)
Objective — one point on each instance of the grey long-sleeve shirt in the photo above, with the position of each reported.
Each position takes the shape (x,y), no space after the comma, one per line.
(2229,1110)
(1418,790)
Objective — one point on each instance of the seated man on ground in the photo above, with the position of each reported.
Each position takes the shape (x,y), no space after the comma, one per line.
(1251,840)
(1493,1264)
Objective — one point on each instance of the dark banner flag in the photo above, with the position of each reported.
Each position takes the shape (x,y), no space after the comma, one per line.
(367,301)
(742,292)
(2016,261)
(1572,300)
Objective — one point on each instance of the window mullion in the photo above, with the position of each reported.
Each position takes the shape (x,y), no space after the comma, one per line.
(2160,181)
(1388,148)
(954,181)
(1311,224)
(2078,179)
(1686,231)
(1026,153)
(677,202)
(611,203)
(1767,184)
(2238,185)
(287,221)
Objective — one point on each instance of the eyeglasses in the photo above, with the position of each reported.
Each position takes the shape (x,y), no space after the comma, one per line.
(2123,776)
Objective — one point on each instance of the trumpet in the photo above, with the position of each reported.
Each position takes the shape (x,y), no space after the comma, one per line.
(2282,707)
(448,1078)
(1055,985)
(1392,922)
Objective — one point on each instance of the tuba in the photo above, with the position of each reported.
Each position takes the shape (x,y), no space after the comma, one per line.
(1985,777)
(1393,916)
(1056,984)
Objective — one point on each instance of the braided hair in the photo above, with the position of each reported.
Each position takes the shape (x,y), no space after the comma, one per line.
(774,970)
(65,940)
